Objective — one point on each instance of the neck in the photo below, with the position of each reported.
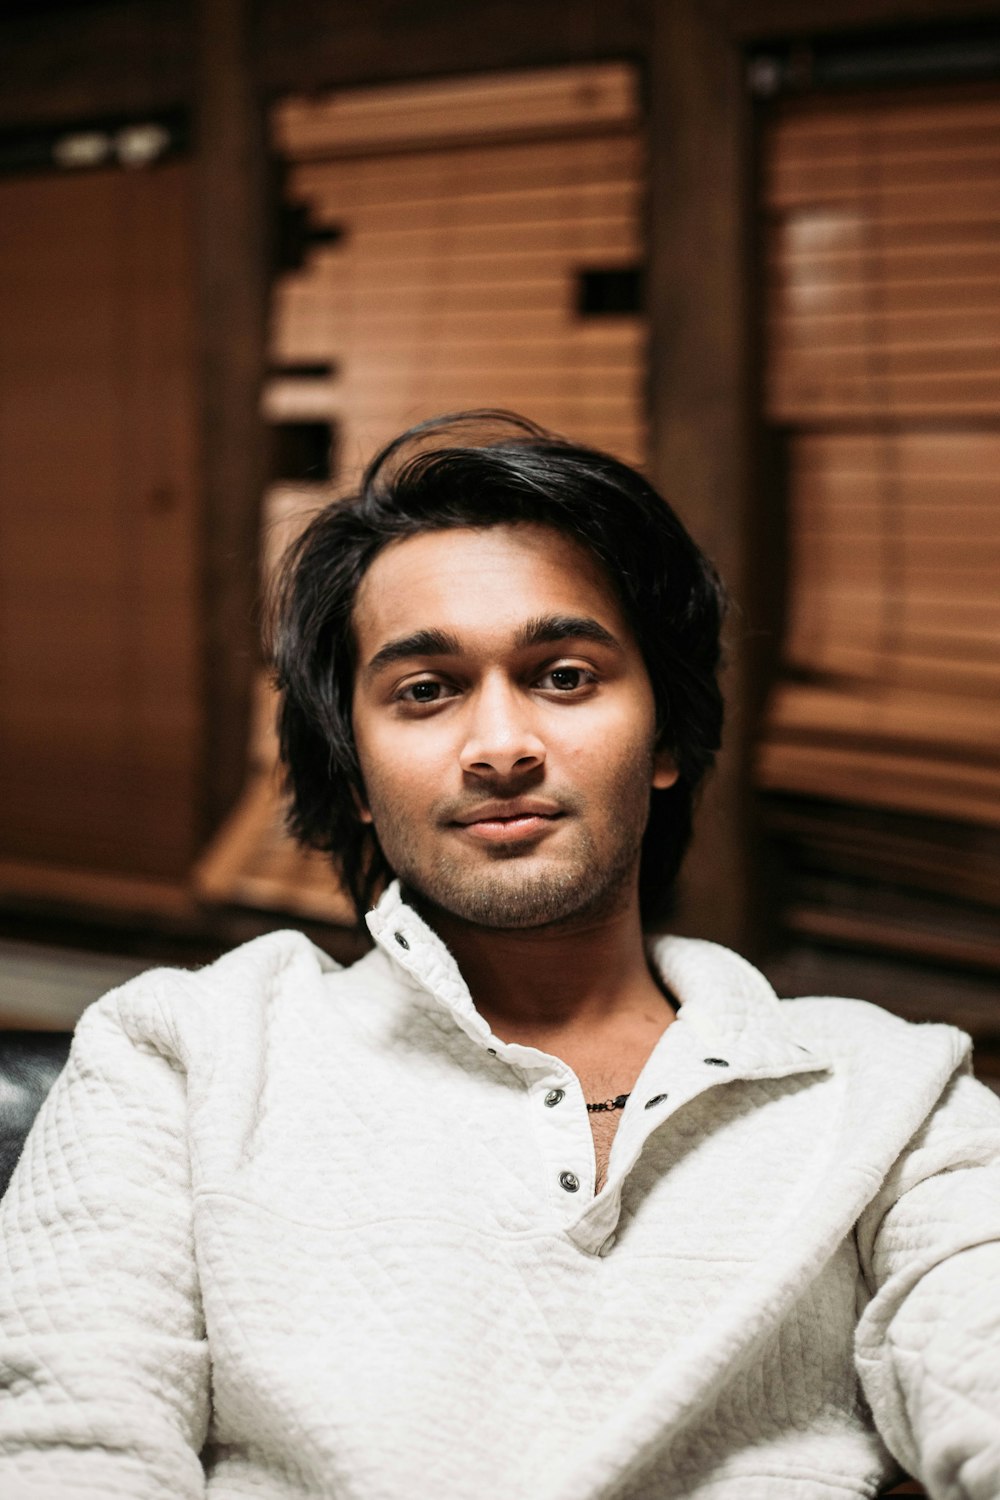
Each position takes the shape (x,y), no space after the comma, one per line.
(570,979)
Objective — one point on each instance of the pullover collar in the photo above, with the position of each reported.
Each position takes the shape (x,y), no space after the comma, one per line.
(730,1026)
(729,1009)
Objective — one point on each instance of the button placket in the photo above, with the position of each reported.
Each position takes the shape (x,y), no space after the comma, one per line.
(562,1135)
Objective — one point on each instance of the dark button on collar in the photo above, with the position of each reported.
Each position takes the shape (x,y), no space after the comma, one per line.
(656,1099)
(555,1096)
(718,1062)
(492,1051)
(569,1181)
(401,940)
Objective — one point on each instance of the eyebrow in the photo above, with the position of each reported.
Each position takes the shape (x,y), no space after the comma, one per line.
(546,628)
(420,643)
(539,631)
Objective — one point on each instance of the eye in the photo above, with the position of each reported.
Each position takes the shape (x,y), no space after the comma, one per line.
(425,691)
(567,679)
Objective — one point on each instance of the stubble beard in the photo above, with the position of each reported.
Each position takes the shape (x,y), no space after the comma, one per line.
(509,886)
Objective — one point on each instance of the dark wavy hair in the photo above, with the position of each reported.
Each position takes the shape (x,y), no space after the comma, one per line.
(477,469)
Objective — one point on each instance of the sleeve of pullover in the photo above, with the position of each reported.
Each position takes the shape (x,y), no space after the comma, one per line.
(928,1343)
(104,1385)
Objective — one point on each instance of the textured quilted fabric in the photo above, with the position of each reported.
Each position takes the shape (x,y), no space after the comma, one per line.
(283,1230)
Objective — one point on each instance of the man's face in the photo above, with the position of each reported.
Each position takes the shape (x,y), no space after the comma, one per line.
(505,725)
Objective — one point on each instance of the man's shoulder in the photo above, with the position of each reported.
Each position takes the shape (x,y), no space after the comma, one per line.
(837,1012)
(256,962)
(861,1029)
(903,1077)
(166,1003)
(708,972)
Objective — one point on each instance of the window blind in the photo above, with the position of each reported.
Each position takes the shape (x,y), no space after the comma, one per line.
(883,368)
(454,279)
(882,382)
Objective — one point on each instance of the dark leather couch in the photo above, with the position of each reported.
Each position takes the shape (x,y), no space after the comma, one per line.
(30,1062)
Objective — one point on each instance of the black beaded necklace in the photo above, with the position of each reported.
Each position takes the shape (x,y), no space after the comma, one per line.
(617,1103)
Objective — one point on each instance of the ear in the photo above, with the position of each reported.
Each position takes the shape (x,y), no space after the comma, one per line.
(665,773)
(361,806)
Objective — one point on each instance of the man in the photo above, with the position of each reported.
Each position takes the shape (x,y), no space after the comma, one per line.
(521,1205)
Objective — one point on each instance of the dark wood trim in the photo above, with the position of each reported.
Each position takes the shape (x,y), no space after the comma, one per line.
(95,61)
(759,19)
(698,386)
(320,44)
(231,217)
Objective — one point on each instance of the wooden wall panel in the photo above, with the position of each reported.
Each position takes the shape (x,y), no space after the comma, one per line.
(99,689)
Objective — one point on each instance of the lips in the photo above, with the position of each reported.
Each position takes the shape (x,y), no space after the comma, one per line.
(508,822)
(499,811)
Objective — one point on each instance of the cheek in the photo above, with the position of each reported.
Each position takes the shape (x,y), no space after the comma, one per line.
(616,735)
(375,763)
(399,768)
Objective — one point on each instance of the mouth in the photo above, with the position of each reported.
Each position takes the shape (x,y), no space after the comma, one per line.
(509,827)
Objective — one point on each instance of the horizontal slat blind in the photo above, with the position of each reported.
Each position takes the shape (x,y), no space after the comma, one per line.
(883,368)
(411,115)
(883,254)
(896,552)
(455,281)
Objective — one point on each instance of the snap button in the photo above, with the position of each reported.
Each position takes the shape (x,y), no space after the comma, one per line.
(555,1096)
(718,1062)
(569,1181)
(492,1051)
(400,939)
(656,1099)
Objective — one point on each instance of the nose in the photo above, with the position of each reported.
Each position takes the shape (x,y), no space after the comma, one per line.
(501,739)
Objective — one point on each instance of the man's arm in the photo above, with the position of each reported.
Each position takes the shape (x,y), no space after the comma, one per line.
(928,1343)
(103,1360)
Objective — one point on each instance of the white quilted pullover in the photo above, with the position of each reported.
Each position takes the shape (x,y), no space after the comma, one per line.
(283,1230)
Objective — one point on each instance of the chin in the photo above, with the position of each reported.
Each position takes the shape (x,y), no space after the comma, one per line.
(516,898)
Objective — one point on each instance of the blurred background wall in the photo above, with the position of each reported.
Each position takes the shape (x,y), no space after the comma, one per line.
(752,247)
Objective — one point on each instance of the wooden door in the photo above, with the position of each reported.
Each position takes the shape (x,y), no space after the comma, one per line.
(99,692)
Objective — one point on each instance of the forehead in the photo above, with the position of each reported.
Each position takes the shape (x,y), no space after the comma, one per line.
(481,582)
